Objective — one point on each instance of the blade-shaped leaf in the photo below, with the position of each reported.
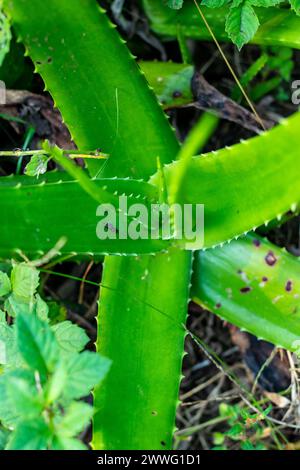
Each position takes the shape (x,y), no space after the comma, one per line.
(214,180)
(116,89)
(253,284)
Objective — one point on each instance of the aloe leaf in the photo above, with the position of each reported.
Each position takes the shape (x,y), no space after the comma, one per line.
(40,216)
(106,103)
(254,285)
(235,205)
(139,329)
(218,173)
(278,27)
(84,66)
(171,82)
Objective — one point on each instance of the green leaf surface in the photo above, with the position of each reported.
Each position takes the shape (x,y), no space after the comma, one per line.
(265,3)
(84,372)
(175,4)
(76,418)
(170,81)
(228,199)
(24,281)
(4,434)
(66,443)
(25,204)
(93,63)
(123,107)
(5,37)
(41,308)
(241,23)
(8,415)
(2,317)
(5,286)
(30,435)
(295,4)
(6,338)
(224,218)
(70,337)
(14,306)
(9,412)
(254,285)
(36,343)
(148,325)
(24,397)
(8,353)
(214,3)
(37,165)
(56,382)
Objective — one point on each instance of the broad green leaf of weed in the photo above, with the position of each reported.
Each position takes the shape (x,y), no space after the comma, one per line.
(175,4)
(14,306)
(24,395)
(7,340)
(25,281)
(56,383)
(85,371)
(66,443)
(71,338)
(30,435)
(4,435)
(9,415)
(241,23)
(5,286)
(76,418)
(41,308)
(37,343)
(215,3)
(37,165)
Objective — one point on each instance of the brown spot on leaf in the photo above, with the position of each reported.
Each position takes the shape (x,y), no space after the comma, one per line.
(245,290)
(256,242)
(271,259)
(289,286)
(177,94)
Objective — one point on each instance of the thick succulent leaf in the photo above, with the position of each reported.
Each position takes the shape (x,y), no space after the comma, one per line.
(140,330)
(234,204)
(84,65)
(254,285)
(40,216)
(277,26)
(171,82)
(106,103)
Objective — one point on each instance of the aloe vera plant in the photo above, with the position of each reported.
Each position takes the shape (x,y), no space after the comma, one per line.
(144,296)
